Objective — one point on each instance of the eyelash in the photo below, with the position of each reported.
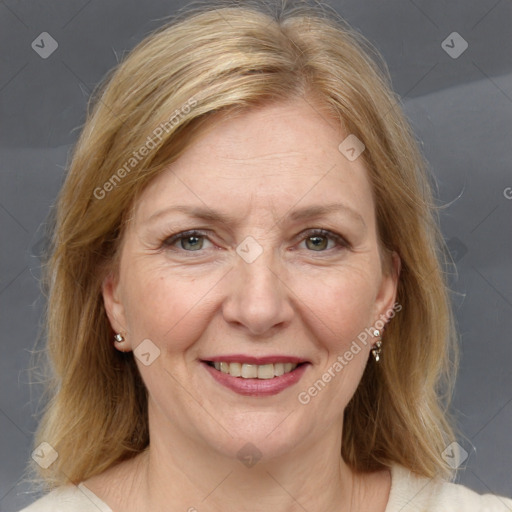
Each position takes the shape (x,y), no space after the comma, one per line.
(341,242)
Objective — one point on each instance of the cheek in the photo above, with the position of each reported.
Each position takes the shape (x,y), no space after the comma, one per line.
(340,302)
(340,308)
(166,307)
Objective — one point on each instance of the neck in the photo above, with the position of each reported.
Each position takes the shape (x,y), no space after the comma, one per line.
(176,469)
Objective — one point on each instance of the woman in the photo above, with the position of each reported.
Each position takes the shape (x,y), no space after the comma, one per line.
(246,283)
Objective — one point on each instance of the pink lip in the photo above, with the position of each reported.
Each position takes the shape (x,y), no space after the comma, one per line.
(256,387)
(240,358)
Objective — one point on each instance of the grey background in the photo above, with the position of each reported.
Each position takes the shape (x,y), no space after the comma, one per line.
(461,110)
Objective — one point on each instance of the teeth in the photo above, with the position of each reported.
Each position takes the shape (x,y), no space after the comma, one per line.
(278,369)
(266,371)
(249,371)
(235,369)
(255,371)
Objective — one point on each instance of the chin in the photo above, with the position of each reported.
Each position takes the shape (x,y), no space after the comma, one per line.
(260,435)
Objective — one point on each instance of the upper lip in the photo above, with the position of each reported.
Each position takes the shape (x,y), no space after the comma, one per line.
(244,359)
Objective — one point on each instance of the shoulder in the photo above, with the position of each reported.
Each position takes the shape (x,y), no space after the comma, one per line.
(69,498)
(411,492)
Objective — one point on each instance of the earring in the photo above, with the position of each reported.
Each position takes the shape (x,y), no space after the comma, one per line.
(119,338)
(377,351)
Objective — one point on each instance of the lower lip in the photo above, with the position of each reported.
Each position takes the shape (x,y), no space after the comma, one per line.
(257,387)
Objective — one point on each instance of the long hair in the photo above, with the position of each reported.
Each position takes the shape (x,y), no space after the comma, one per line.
(228,58)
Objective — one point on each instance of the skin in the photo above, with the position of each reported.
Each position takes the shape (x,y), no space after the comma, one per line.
(297,298)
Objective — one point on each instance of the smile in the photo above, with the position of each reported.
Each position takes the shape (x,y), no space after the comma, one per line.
(253,371)
(252,379)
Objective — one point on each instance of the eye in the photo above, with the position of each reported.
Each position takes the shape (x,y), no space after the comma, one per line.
(190,241)
(318,240)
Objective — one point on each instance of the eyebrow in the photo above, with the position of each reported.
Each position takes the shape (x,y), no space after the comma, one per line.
(307,212)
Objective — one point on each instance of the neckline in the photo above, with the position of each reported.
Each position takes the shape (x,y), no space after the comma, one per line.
(405,486)
(91,496)
(395,484)
(399,477)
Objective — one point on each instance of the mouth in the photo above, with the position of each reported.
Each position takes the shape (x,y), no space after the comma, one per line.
(246,377)
(254,371)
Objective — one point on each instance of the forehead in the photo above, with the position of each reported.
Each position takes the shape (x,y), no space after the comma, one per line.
(270,158)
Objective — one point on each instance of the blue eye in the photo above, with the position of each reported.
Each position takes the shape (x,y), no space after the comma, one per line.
(193,239)
(320,239)
(317,240)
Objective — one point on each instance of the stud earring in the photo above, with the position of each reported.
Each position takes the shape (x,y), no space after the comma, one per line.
(377,350)
(118,338)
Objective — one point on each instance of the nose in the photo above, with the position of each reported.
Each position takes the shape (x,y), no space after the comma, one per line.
(259,297)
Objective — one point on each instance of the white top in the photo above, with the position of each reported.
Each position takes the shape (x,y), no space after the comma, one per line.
(409,493)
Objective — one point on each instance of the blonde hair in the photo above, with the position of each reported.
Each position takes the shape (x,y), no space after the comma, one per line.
(228,58)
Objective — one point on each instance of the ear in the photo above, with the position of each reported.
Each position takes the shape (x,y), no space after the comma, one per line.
(114,307)
(387,293)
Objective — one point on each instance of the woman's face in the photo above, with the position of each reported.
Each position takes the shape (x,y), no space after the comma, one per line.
(257,283)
